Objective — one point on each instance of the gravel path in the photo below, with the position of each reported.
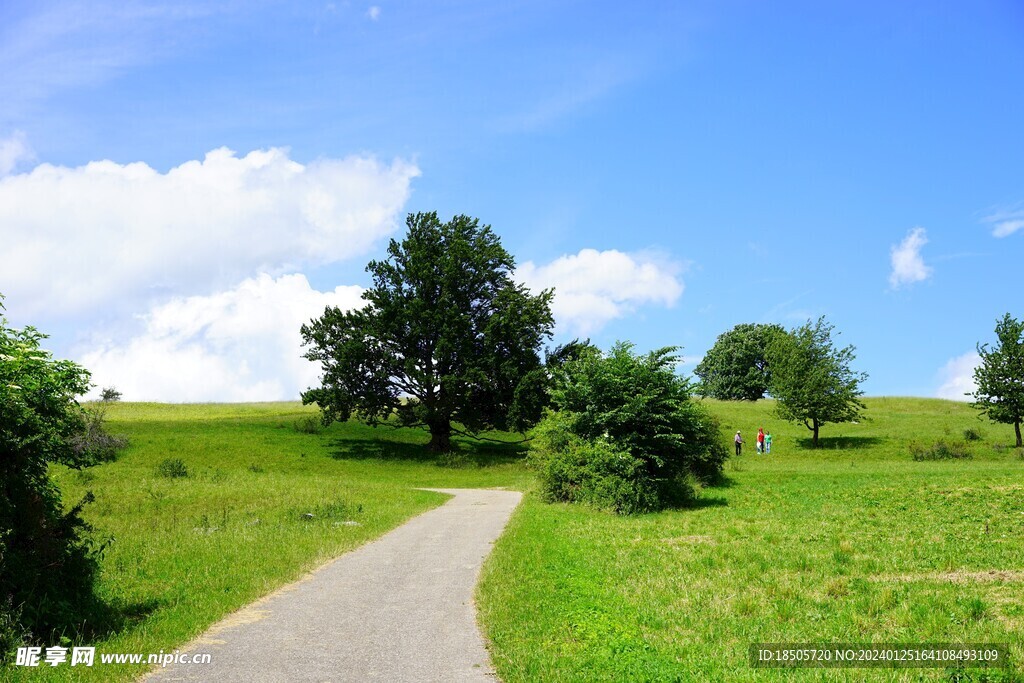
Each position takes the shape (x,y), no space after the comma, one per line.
(397,609)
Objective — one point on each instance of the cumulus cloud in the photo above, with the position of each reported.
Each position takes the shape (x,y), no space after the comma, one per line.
(13,151)
(1005,223)
(907,265)
(78,238)
(594,287)
(957,377)
(239,345)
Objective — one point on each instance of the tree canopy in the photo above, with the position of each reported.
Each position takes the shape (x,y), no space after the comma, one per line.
(811,379)
(446,336)
(736,367)
(1000,376)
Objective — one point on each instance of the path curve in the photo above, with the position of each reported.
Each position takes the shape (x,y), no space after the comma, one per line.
(399,608)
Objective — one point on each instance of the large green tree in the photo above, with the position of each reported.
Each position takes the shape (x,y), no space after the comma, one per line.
(46,566)
(1000,376)
(446,336)
(736,367)
(811,379)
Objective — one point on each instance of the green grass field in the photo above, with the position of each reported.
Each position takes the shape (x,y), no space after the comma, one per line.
(188,551)
(854,542)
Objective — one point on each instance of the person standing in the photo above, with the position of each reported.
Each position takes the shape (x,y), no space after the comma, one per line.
(739,443)
(768,442)
(760,440)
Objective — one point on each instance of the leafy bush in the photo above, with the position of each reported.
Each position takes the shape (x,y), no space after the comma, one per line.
(627,431)
(575,470)
(47,565)
(172,468)
(309,424)
(971,434)
(94,444)
(941,450)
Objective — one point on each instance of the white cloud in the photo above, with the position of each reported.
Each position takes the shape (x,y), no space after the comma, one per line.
(239,345)
(957,377)
(373,13)
(76,239)
(907,265)
(13,151)
(1005,223)
(594,287)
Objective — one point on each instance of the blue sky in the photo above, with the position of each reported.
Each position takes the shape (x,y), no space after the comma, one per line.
(182,184)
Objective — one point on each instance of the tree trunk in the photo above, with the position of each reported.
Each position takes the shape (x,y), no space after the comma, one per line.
(440,436)
(1016,428)
(814,441)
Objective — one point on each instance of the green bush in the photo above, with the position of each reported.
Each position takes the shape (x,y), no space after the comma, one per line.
(627,431)
(47,566)
(941,450)
(94,443)
(172,468)
(972,434)
(309,424)
(575,470)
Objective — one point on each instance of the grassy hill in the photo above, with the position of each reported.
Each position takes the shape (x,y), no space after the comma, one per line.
(854,542)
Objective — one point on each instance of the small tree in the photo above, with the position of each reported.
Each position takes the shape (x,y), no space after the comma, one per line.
(626,434)
(812,380)
(446,336)
(110,395)
(46,568)
(1000,376)
(736,367)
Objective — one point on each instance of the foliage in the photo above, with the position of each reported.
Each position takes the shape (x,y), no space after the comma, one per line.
(46,566)
(1000,376)
(110,394)
(619,404)
(172,468)
(309,424)
(446,336)
(941,450)
(576,470)
(736,367)
(94,444)
(971,434)
(812,380)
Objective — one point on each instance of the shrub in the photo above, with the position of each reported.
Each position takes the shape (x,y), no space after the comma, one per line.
(575,470)
(941,450)
(309,424)
(47,565)
(94,444)
(971,434)
(625,427)
(172,468)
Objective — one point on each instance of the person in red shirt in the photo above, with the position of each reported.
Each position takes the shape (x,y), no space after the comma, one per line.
(760,440)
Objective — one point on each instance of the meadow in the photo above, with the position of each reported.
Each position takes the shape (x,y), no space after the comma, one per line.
(854,542)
